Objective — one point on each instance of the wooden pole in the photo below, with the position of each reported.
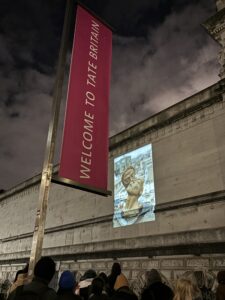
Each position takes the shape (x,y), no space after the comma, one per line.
(38,235)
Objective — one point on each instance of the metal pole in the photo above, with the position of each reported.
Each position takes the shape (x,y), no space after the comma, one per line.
(38,235)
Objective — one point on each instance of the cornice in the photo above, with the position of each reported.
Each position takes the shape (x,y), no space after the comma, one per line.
(195,242)
(216,24)
(171,115)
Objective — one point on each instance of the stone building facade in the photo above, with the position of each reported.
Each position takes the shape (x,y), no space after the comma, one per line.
(189,231)
(188,234)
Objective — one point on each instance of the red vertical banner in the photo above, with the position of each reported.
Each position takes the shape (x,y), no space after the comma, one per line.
(84,156)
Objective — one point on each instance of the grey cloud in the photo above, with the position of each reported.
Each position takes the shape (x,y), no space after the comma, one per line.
(24,126)
(5,56)
(29,41)
(176,60)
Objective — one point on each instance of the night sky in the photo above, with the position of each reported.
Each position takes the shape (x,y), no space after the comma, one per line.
(161,55)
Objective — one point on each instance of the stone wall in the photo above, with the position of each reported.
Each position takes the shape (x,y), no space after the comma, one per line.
(170,268)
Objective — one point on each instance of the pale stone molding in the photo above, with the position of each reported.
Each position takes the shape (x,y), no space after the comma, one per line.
(220,4)
(216,28)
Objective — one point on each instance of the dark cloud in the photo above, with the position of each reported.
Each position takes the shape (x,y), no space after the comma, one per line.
(159,58)
(133,18)
(29,41)
(31,30)
(176,60)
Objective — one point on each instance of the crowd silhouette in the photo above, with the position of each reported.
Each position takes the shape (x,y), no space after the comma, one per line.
(114,286)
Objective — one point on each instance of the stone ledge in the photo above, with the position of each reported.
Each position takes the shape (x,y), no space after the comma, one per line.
(161,245)
(196,200)
(70,253)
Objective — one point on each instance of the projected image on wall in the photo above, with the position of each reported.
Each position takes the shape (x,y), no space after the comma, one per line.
(134,191)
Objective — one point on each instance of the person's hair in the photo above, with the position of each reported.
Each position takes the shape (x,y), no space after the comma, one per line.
(23,271)
(115,271)
(221,277)
(97,286)
(17,274)
(104,277)
(185,290)
(199,279)
(45,268)
(89,274)
(152,276)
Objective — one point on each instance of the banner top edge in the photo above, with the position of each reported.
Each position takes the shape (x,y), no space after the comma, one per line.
(78,2)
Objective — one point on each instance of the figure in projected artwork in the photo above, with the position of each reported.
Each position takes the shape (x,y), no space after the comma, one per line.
(134,187)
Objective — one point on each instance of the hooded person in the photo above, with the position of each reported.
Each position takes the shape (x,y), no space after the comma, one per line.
(116,278)
(220,292)
(84,285)
(154,288)
(44,271)
(121,287)
(67,283)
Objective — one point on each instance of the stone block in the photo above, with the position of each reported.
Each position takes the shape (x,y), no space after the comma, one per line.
(11,276)
(74,267)
(135,274)
(127,274)
(197,262)
(85,265)
(148,265)
(218,263)
(88,247)
(177,274)
(134,264)
(69,238)
(99,265)
(172,263)
(86,235)
(109,265)
(167,275)
(124,265)
(64,267)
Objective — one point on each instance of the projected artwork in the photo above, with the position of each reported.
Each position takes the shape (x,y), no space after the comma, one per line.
(134,191)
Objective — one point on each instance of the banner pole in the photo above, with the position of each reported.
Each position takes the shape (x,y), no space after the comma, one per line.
(38,235)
